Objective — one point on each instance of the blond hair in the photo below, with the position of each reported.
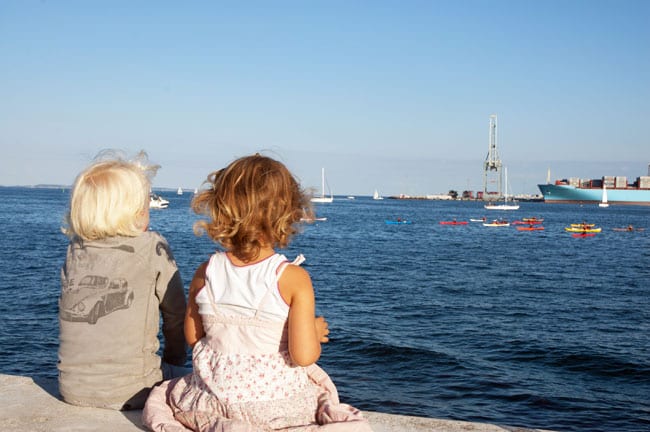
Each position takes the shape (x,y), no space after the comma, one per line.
(110,197)
(253,202)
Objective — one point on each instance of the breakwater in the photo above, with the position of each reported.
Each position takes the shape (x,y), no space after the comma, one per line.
(34,406)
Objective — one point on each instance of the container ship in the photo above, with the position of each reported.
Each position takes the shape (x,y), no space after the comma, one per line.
(579,191)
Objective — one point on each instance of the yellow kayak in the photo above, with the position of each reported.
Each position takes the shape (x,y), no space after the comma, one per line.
(582,230)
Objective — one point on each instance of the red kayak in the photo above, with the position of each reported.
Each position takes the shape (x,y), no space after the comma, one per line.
(578,235)
(453,222)
(528,222)
(530,228)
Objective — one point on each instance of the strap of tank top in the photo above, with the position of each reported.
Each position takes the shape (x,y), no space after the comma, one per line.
(208,288)
(269,291)
(278,271)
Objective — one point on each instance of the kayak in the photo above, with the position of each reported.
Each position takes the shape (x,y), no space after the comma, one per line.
(583,230)
(579,235)
(479,220)
(453,222)
(496,224)
(532,220)
(530,228)
(583,225)
(397,222)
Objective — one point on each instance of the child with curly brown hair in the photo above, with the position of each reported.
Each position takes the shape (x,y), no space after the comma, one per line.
(251,317)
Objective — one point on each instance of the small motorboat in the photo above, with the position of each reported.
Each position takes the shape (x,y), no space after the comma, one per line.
(157,202)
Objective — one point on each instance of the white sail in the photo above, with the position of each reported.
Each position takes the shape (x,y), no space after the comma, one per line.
(507,203)
(603,202)
(323,198)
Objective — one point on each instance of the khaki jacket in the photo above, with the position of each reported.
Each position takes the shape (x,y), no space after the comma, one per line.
(113,293)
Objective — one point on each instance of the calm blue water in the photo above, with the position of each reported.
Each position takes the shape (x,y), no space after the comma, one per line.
(533,329)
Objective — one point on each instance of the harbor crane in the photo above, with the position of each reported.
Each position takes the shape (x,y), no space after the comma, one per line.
(492,163)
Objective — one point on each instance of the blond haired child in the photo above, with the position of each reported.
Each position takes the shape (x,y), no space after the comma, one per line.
(251,317)
(116,281)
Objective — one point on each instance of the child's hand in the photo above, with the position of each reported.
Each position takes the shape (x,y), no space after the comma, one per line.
(322,329)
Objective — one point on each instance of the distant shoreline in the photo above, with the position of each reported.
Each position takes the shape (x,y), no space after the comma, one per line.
(38,186)
(436,197)
(531,198)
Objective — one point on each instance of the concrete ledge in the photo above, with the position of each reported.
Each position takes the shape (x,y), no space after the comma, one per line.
(28,405)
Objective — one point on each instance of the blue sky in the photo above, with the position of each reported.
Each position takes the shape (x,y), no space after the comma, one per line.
(388,95)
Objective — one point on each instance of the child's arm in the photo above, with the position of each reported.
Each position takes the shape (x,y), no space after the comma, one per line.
(305,331)
(193,323)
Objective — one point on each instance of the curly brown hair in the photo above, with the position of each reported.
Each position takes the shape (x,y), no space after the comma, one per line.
(253,202)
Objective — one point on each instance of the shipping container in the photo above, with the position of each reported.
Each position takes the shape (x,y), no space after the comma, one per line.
(621,182)
(574,181)
(644,182)
(609,181)
(597,183)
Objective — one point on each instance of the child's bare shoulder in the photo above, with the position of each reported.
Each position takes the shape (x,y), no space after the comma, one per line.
(294,274)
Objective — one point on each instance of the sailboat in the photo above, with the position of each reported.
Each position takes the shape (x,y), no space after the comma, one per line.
(603,202)
(322,198)
(376,195)
(507,203)
(179,191)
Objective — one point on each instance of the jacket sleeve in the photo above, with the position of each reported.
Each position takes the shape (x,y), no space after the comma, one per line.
(172,307)
(171,294)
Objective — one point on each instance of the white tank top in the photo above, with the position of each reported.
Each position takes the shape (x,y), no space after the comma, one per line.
(247,291)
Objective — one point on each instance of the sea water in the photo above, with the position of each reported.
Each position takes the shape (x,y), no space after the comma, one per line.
(535,329)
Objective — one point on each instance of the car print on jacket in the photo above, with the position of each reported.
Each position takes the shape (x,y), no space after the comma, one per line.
(94,297)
